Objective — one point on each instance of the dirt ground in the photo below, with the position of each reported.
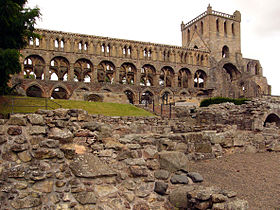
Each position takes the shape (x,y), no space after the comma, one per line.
(255,177)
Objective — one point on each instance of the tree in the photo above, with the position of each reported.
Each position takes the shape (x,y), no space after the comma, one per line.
(16,27)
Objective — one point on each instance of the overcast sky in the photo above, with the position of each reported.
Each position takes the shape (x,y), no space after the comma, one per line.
(159,21)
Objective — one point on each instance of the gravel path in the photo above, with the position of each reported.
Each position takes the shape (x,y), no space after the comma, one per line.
(255,177)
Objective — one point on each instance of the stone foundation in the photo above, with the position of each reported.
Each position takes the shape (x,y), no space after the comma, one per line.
(66,159)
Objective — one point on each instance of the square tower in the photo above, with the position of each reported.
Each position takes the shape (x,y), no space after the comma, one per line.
(214,31)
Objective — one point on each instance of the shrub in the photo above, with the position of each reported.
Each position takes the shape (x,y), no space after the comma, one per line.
(219,100)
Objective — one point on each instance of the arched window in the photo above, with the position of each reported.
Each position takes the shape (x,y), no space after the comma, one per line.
(257,69)
(272,119)
(80,45)
(62,43)
(189,35)
(103,48)
(201,28)
(217,25)
(225,27)
(86,46)
(130,96)
(31,42)
(225,52)
(59,93)
(56,43)
(232,29)
(37,42)
(147,97)
(148,73)
(200,79)
(34,91)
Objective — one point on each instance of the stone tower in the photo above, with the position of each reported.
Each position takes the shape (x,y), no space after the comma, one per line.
(214,31)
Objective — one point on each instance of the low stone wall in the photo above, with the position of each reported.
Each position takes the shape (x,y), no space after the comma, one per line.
(66,159)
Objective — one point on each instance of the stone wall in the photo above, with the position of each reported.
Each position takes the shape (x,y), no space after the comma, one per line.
(65,159)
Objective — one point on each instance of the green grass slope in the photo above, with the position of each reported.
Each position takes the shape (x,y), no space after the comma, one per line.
(22,105)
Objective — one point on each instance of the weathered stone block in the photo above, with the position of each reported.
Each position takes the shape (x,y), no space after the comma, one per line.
(19,147)
(161,187)
(14,131)
(196,177)
(89,166)
(178,197)
(37,130)
(44,153)
(45,186)
(203,147)
(17,119)
(138,171)
(85,197)
(162,174)
(104,190)
(28,202)
(173,161)
(24,156)
(63,135)
(36,119)
(179,179)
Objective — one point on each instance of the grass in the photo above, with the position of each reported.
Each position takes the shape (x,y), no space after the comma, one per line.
(108,109)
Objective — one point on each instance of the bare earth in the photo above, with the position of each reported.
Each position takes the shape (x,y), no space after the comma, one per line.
(255,177)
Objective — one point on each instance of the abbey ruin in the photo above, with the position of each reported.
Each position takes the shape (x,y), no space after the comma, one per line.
(84,67)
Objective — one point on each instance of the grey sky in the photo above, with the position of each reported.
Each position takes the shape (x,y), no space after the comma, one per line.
(159,21)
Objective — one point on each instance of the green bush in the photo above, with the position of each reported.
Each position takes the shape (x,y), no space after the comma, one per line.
(219,100)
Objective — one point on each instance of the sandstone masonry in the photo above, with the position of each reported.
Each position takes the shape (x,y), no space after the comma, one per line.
(64,159)
(84,67)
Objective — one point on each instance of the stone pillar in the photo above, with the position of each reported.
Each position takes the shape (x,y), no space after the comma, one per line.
(137,77)
(175,80)
(94,74)
(156,82)
(47,72)
(70,76)
(117,75)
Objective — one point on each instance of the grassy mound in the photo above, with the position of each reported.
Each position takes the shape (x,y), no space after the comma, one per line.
(219,100)
(32,104)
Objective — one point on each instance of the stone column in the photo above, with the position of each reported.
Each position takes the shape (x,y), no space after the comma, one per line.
(117,75)
(156,82)
(94,74)
(70,76)
(137,77)
(175,80)
(47,72)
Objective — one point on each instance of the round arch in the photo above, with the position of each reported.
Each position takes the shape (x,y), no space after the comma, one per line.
(225,52)
(60,91)
(82,70)
(33,67)
(272,118)
(166,95)
(127,73)
(59,68)
(184,78)
(232,71)
(147,97)
(166,77)
(148,74)
(200,78)
(130,96)
(34,90)
(106,72)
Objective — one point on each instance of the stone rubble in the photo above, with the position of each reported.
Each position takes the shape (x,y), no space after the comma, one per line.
(62,159)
